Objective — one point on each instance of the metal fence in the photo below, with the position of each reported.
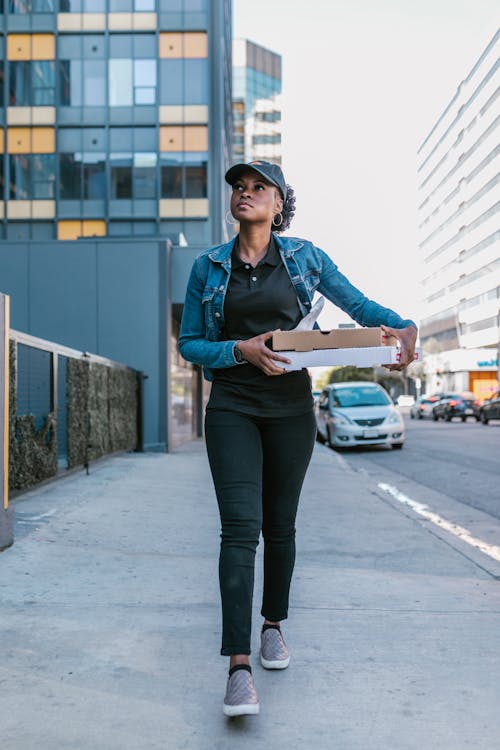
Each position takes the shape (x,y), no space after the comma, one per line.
(67,408)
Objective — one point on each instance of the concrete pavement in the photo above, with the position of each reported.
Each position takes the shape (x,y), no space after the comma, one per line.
(110,617)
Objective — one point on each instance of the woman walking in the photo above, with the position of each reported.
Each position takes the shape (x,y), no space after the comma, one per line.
(259,424)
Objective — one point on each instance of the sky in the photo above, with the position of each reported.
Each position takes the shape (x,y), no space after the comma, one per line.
(364,81)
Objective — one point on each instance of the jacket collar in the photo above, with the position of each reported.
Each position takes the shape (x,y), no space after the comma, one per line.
(287,246)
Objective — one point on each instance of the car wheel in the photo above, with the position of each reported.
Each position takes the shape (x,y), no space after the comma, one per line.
(435,417)
(464,419)
(447,418)
(484,418)
(319,437)
(397,446)
(330,440)
(420,416)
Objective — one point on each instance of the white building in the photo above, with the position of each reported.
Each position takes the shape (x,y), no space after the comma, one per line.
(256,103)
(459,233)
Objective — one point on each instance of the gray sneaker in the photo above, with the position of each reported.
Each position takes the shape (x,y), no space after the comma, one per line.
(241,696)
(274,653)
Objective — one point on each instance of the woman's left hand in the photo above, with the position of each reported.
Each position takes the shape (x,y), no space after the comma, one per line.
(407,338)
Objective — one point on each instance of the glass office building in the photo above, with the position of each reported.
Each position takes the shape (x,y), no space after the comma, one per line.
(256,103)
(114,118)
(459,229)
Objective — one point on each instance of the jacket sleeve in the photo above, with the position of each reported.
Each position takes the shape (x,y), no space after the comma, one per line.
(193,344)
(339,290)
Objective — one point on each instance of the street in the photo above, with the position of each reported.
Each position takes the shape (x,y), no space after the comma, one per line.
(451,467)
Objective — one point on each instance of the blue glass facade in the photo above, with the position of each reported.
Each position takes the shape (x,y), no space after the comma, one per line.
(111,119)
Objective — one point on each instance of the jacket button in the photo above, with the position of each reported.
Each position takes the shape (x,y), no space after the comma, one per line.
(221,288)
(217,314)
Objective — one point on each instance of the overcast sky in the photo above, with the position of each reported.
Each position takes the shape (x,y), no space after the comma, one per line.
(364,81)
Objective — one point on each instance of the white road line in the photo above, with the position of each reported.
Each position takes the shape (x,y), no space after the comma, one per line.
(458,531)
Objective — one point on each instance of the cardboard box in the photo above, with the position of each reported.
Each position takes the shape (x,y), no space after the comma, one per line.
(360,347)
(342,338)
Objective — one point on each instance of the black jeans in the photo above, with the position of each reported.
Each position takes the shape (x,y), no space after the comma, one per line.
(258,466)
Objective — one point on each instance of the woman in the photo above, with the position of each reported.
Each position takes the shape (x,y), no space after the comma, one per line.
(259,425)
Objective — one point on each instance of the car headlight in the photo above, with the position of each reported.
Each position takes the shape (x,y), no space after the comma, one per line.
(393,418)
(338,418)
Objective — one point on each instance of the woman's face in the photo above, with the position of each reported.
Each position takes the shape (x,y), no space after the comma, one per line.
(254,200)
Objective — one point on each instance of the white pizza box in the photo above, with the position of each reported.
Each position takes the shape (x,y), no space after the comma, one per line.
(365,356)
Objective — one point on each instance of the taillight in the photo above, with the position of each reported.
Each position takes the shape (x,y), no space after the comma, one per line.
(452,403)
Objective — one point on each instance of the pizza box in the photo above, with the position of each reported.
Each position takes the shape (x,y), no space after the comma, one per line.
(360,347)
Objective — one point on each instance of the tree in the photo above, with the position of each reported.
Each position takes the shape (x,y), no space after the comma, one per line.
(343,374)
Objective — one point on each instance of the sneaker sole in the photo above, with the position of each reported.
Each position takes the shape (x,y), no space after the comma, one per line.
(242,710)
(277,664)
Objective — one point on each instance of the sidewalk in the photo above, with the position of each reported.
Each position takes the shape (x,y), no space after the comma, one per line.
(110,616)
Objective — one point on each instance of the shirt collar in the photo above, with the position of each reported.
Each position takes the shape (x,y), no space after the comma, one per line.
(272,257)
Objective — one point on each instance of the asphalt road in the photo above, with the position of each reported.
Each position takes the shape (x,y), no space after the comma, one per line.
(459,460)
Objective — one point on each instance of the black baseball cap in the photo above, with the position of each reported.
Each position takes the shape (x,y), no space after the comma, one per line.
(271,172)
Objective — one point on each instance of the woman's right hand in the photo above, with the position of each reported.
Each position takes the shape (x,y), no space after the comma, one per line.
(256,352)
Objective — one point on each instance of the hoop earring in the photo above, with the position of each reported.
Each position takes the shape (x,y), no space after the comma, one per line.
(280,221)
(228,221)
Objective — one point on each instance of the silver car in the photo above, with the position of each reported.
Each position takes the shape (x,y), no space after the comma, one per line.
(358,413)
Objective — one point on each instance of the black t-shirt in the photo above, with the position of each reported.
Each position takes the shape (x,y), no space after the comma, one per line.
(257,300)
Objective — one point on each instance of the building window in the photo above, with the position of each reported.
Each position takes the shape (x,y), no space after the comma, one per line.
(171,176)
(184,175)
(32,6)
(82,176)
(32,176)
(82,83)
(81,6)
(32,83)
(126,6)
(196,175)
(133,176)
(132,82)
(184,81)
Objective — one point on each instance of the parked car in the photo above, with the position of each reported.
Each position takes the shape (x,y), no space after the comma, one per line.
(460,405)
(490,409)
(405,402)
(423,407)
(358,413)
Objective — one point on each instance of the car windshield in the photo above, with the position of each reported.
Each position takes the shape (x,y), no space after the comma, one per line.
(365,395)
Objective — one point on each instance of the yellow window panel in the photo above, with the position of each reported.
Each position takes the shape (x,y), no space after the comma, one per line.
(171,138)
(19,47)
(43,140)
(196,138)
(171,44)
(19,140)
(2,141)
(94,228)
(69,230)
(195,44)
(43,47)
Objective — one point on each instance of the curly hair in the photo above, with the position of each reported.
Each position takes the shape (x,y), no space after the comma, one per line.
(288,210)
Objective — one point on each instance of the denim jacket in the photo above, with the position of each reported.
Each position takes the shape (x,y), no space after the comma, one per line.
(310,270)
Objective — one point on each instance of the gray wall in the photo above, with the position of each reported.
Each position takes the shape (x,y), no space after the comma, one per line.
(108,297)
